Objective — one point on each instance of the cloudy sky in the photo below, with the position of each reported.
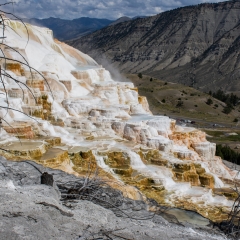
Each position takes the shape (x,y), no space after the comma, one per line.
(111,9)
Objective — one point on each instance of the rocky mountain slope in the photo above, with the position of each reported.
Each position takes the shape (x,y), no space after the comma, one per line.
(194,45)
(69,29)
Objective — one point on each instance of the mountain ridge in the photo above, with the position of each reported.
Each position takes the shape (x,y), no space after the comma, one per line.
(64,29)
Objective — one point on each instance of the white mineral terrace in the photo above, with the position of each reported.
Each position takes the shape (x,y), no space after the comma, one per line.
(100,114)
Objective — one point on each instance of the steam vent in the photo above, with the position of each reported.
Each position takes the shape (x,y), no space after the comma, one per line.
(79,115)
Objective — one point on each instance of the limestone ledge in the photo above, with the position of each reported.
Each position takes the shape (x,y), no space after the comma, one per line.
(81,161)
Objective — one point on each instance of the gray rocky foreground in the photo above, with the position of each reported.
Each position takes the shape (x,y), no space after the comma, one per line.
(31,210)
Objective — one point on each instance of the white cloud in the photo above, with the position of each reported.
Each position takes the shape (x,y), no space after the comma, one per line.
(70,9)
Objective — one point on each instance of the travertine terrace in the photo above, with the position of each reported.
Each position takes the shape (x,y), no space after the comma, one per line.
(83,116)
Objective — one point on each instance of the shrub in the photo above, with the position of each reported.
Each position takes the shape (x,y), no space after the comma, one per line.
(209,101)
(227,109)
(235,120)
(179,104)
(216,105)
(163,101)
(140,75)
(195,105)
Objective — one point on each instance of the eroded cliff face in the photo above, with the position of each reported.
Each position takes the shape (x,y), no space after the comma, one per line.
(195,45)
(84,119)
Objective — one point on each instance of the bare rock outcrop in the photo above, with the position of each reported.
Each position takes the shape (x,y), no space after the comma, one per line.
(30,210)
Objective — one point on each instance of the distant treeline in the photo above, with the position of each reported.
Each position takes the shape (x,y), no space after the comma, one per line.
(226,153)
(229,99)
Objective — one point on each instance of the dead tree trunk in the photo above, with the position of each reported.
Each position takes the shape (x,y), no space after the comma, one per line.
(47,179)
